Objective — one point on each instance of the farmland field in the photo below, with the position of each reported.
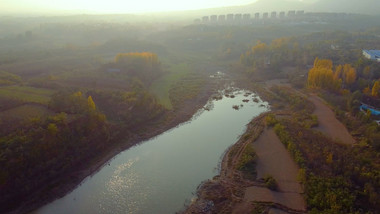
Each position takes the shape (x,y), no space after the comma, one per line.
(26,94)
(27,111)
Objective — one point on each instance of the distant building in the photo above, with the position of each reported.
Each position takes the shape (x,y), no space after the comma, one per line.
(372,54)
(373,110)
(282,15)
(238,17)
(205,19)
(230,17)
(246,16)
(335,47)
(222,18)
(273,15)
(257,15)
(291,13)
(214,18)
(265,15)
(300,13)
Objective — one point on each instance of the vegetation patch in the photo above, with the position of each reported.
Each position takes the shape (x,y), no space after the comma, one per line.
(186,88)
(337,178)
(9,78)
(247,162)
(161,87)
(26,112)
(26,94)
(270,182)
(258,208)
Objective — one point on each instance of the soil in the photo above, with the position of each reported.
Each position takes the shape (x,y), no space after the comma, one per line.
(240,193)
(328,124)
(290,201)
(273,159)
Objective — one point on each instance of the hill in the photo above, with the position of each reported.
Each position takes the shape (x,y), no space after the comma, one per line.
(368,7)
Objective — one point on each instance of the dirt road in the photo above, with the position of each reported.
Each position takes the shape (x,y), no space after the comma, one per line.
(273,159)
(328,124)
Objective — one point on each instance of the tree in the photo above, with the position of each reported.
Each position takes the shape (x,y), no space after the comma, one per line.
(349,74)
(367,91)
(338,72)
(91,103)
(322,75)
(376,89)
(52,129)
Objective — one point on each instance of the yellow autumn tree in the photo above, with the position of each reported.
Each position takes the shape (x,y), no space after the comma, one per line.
(349,74)
(256,56)
(146,57)
(338,72)
(77,94)
(367,91)
(52,129)
(91,103)
(259,47)
(323,63)
(376,89)
(321,75)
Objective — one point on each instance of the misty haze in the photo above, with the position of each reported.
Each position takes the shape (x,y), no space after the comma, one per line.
(245,106)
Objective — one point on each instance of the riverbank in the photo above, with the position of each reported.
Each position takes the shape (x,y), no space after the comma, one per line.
(230,192)
(235,192)
(133,182)
(223,192)
(122,141)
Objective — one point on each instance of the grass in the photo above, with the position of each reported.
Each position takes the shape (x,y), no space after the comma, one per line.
(26,94)
(27,111)
(160,88)
(186,88)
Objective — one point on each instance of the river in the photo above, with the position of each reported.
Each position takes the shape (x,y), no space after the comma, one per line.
(162,174)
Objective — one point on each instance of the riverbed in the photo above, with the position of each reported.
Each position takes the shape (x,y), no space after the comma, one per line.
(161,175)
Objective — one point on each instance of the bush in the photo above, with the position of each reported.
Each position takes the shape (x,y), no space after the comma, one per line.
(270,120)
(270,182)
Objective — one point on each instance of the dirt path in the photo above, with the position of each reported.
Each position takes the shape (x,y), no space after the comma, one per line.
(291,201)
(328,124)
(273,159)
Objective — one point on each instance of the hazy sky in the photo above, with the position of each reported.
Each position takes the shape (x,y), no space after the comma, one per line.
(113,6)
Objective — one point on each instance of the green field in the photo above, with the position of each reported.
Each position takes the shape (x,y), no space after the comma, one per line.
(26,94)
(160,88)
(26,112)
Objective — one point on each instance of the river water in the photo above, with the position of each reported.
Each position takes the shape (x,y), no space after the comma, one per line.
(162,174)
